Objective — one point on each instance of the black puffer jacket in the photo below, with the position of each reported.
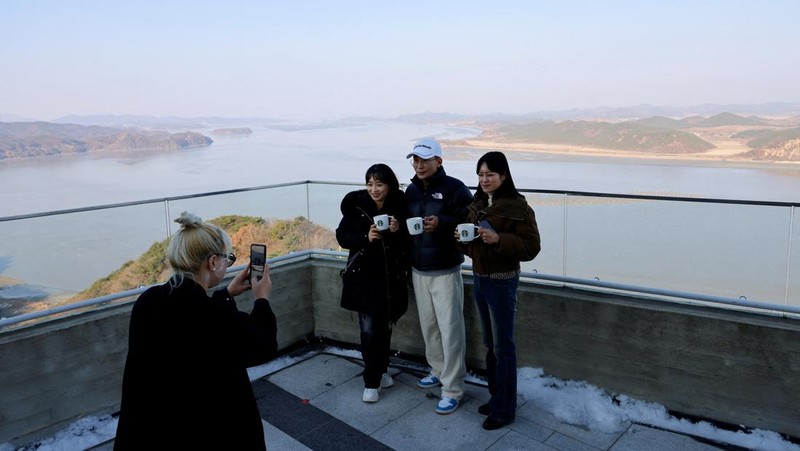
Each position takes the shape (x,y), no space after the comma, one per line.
(445,197)
(384,261)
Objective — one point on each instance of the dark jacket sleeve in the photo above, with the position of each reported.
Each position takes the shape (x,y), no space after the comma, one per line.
(351,233)
(256,332)
(456,210)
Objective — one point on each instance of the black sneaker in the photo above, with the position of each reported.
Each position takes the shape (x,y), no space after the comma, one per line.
(484,410)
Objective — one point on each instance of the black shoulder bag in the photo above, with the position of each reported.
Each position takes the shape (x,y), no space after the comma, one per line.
(353,280)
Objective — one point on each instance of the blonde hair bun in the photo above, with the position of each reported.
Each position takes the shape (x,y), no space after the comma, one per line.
(189,220)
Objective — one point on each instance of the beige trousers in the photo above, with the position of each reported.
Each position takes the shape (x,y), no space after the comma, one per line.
(440,303)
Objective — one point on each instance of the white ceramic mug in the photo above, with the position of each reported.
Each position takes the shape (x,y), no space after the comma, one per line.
(381,222)
(466,232)
(414,225)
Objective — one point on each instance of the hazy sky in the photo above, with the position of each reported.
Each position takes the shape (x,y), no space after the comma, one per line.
(302,59)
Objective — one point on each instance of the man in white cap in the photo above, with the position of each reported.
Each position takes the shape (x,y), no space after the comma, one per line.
(442,202)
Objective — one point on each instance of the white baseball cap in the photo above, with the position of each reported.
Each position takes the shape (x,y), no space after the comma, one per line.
(426,149)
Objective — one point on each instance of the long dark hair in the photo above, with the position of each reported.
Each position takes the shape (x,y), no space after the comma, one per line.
(497,162)
(384,174)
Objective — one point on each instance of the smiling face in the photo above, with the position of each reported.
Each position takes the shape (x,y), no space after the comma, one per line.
(377,190)
(490,181)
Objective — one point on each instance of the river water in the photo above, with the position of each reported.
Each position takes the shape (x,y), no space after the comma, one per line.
(341,153)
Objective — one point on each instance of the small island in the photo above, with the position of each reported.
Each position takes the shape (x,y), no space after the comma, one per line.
(238,131)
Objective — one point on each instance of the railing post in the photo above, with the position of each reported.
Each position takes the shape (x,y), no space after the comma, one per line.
(564,241)
(789,255)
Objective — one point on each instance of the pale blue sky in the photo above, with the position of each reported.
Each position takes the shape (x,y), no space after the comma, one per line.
(303,59)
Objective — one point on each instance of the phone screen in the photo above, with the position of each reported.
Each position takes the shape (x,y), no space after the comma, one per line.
(258,258)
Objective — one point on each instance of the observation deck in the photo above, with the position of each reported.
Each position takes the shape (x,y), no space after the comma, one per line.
(635,330)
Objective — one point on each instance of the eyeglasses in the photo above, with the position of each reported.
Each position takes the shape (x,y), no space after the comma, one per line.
(231,257)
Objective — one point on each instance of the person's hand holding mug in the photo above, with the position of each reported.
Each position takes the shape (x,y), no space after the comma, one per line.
(489,236)
(374,233)
(430,223)
(394,224)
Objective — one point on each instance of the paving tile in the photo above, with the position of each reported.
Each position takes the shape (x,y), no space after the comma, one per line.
(421,429)
(562,442)
(277,439)
(516,441)
(344,402)
(596,439)
(531,430)
(316,375)
(640,437)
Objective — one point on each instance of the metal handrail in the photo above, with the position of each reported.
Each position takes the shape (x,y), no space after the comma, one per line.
(322,182)
(563,279)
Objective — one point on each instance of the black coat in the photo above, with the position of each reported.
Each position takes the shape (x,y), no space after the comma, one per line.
(384,262)
(185,384)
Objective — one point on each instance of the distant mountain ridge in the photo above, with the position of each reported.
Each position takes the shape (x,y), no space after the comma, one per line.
(33,139)
(619,136)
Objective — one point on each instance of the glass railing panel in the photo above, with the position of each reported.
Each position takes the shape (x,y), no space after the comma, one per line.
(549,210)
(725,250)
(325,208)
(46,260)
(281,202)
(286,203)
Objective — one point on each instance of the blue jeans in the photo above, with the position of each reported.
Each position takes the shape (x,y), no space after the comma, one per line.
(496,300)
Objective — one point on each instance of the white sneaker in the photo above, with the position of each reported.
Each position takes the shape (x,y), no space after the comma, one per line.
(386,381)
(371,394)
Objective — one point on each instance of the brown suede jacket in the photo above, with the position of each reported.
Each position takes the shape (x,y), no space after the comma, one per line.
(514,220)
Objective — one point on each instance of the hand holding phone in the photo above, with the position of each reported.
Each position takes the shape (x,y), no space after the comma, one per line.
(258,258)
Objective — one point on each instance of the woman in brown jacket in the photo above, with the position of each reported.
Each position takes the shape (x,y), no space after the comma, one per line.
(507,235)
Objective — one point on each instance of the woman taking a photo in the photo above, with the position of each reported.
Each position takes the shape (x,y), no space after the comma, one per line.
(378,263)
(507,235)
(185,384)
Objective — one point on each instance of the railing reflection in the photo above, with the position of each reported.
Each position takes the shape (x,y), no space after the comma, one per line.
(731,250)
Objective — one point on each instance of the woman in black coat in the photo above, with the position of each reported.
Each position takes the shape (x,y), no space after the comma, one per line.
(375,284)
(185,384)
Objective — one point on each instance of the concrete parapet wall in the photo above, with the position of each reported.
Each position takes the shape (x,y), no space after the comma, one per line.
(57,371)
(731,366)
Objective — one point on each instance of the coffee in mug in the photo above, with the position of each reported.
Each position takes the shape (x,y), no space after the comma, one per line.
(414,225)
(381,222)
(466,232)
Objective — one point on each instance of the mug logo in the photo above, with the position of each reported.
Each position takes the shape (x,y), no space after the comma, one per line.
(380,223)
(417,226)
(464,233)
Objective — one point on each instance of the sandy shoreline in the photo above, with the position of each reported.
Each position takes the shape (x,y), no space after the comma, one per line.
(724,155)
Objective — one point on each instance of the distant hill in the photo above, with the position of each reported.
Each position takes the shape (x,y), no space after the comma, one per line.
(725,119)
(164,123)
(620,136)
(773,145)
(719,120)
(237,131)
(34,139)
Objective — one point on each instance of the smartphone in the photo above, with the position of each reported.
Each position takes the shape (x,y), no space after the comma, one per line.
(258,258)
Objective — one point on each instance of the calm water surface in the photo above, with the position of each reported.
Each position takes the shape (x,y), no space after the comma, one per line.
(342,154)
